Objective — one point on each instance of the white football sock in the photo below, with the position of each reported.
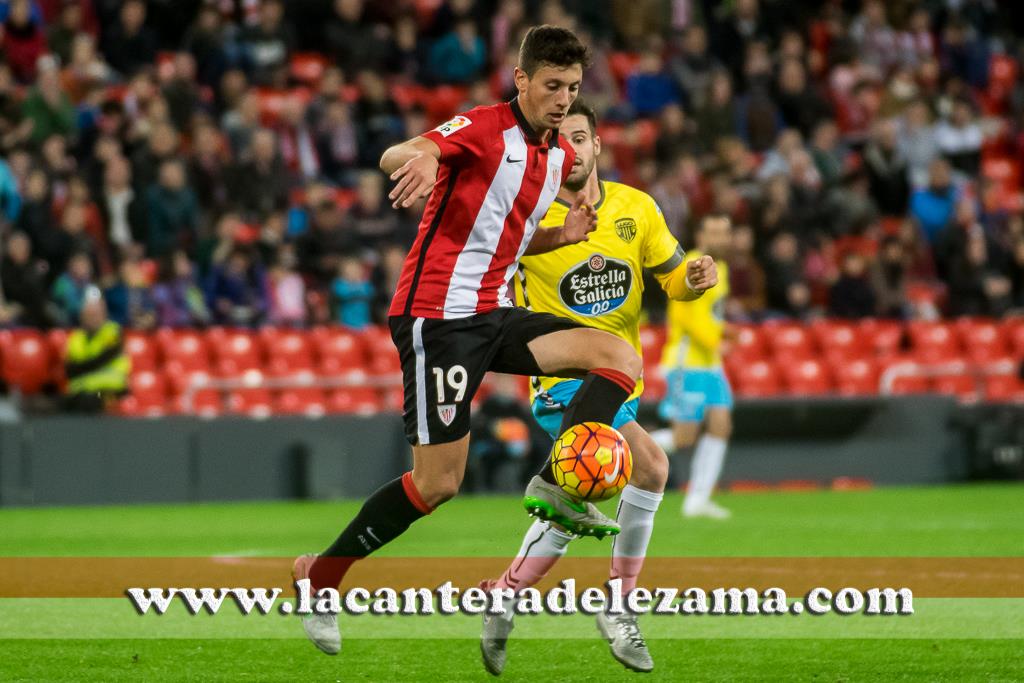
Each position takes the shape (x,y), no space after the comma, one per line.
(543,545)
(704,470)
(636,517)
(665,439)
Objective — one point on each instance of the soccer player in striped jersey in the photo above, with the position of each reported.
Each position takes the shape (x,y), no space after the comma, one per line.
(491,173)
(599,283)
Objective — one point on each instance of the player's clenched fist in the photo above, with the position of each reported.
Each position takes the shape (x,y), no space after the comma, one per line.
(701,274)
(416,179)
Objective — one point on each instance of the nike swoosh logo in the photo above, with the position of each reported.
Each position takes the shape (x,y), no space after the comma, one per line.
(510,160)
(610,479)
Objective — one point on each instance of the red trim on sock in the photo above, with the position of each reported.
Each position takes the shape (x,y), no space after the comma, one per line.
(622,379)
(414,495)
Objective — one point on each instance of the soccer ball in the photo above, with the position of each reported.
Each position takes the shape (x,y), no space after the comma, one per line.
(591,461)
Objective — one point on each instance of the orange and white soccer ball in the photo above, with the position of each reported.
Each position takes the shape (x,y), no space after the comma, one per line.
(591,461)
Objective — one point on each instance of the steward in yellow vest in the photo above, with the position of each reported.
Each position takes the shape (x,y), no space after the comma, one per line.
(95,363)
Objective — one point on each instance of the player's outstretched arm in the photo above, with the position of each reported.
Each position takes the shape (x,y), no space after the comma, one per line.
(579,223)
(689,280)
(413,164)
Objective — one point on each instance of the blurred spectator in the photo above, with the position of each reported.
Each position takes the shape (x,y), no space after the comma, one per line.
(47,108)
(336,138)
(259,183)
(163,144)
(85,71)
(173,214)
(800,105)
(1017,275)
(887,169)
(236,290)
(852,296)
(667,192)
(959,138)
(209,168)
(649,89)
(287,291)
(70,288)
(94,361)
(828,152)
(976,287)
(129,300)
(746,277)
(205,41)
(786,292)
(298,150)
(353,42)
(177,298)
(69,26)
(406,54)
(889,279)
(932,206)
(353,294)
(718,117)
(373,220)
(10,198)
(877,42)
(124,213)
(182,91)
(24,40)
(129,44)
(23,281)
(919,142)
(319,249)
(678,135)
(268,44)
(692,66)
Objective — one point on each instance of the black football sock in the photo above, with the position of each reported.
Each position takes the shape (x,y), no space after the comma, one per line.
(602,393)
(385,516)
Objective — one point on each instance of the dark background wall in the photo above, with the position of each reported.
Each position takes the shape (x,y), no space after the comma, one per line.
(78,460)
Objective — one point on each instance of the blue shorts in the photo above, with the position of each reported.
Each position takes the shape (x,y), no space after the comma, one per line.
(691,391)
(549,406)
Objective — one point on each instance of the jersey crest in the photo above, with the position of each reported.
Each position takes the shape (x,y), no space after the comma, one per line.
(625,228)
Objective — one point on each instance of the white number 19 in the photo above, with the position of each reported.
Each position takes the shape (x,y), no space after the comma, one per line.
(457,378)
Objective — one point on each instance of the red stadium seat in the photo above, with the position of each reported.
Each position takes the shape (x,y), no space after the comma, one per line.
(384,358)
(838,340)
(933,341)
(788,341)
(1013,329)
(807,377)
(749,343)
(148,386)
(235,350)
(339,351)
(252,402)
(855,376)
(134,406)
(905,382)
(141,349)
(360,400)
(756,379)
(652,343)
(983,339)
(309,401)
(884,337)
(26,360)
(186,349)
(286,350)
(961,384)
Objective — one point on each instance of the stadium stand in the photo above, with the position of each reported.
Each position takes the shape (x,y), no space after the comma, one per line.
(216,162)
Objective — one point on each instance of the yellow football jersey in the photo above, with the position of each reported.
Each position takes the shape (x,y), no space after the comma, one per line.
(695,327)
(599,282)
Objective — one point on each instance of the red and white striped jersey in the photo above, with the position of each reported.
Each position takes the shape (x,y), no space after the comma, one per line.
(495,182)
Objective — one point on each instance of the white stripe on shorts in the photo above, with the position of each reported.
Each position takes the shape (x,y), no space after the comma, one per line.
(421,383)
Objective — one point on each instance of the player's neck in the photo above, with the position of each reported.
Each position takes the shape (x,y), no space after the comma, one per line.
(591,191)
(543,134)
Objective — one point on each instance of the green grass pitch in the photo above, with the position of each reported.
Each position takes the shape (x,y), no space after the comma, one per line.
(948,639)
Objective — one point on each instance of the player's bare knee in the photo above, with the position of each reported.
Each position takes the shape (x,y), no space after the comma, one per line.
(440,489)
(620,355)
(652,473)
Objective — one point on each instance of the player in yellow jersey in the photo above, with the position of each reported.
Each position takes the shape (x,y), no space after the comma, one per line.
(698,392)
(599,283)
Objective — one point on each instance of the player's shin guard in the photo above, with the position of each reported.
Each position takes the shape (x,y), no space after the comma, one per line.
(385,516)
(543,545)
(597,400)
(636,517)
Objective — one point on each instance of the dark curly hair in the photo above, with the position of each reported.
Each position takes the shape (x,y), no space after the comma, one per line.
(551,45)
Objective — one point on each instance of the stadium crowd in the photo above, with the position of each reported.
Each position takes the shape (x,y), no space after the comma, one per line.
(215,161)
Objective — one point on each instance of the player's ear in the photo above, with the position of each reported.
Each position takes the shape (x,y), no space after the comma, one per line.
(597,145)
(521,79)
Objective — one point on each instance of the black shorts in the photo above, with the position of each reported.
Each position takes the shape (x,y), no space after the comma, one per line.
(444,361)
